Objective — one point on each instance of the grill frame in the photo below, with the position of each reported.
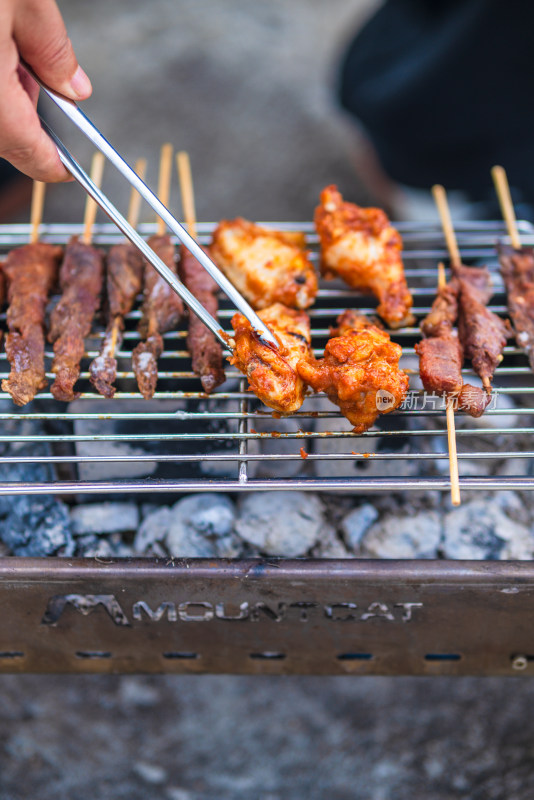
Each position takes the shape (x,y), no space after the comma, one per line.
(322,617)
(293,612)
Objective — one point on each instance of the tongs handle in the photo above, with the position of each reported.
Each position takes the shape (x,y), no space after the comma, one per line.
(77,116)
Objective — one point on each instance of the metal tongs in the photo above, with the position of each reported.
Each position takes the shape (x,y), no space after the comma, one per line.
(85,125)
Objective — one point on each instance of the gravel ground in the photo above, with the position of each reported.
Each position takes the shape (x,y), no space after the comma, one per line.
(245,88)
(220,738)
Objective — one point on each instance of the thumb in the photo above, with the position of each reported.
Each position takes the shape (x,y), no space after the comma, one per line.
(41,38)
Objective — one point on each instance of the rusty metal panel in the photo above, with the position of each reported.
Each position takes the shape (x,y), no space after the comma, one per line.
(268,617)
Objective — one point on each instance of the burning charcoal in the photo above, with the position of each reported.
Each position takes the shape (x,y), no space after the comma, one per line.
(104,518)
(38,526)
(91,546)
(268,445)
(404,537)
(119,547)
(90,471)
(468,467)
(281,523)
(198,523)
(356,523)
(480,529)
(22,472)
(152,530)
(330,545)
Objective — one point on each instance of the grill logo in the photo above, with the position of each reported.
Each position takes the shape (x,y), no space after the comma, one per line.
(199,611)
(384,400)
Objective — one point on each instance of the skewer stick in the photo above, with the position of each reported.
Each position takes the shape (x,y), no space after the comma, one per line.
(451,427)
(440,198)
(164,182)
(97,170)
(135,198)
(36,213)
(186,189)
(133,219)
(502,188)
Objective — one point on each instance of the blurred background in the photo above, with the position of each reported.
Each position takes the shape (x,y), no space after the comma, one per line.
(247,89)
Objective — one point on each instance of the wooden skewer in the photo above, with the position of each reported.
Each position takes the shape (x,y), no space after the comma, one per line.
(440,197)
(135,198)
(507,207)
(164,182)
(186,189)
(451,427)
(97,170)
(36,213)
(134,208)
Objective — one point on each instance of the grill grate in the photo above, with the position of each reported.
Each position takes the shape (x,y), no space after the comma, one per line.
(185,441)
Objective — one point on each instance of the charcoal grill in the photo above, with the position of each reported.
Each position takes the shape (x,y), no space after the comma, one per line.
(276,616)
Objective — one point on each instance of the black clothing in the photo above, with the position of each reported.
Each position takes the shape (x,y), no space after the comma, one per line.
(445,90)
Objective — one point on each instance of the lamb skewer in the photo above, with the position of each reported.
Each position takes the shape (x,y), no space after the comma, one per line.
(206,351)
(482,333)
(124,278)
(438,326)
(162,308)
(517,269)
(441,354)
(31,272)
(81,278)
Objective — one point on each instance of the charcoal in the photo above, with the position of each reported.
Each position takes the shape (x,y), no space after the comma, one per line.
(330,545)
(153,530)
(102,518)
(201,526)
(91,546)
(25,473)
(483,529)
(404,537)
(356,523)
(37,526)
(281,523)
(273,445)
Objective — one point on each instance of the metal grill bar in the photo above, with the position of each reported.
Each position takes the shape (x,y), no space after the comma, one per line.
(363,485)
(228,441)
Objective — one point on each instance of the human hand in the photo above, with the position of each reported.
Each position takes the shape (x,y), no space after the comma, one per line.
(33,30)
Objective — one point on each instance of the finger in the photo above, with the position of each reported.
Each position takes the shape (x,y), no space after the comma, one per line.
(41,37)
(28,84)
(22,140)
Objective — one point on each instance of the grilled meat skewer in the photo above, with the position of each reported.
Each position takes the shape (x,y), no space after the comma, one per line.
(517,268)
(359,372)
(80,280)
(272,374)
(124,277)
(483,334)
(161,312)
(266,266)
(441,354)
(206,351)
(360,246)
(31,272)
